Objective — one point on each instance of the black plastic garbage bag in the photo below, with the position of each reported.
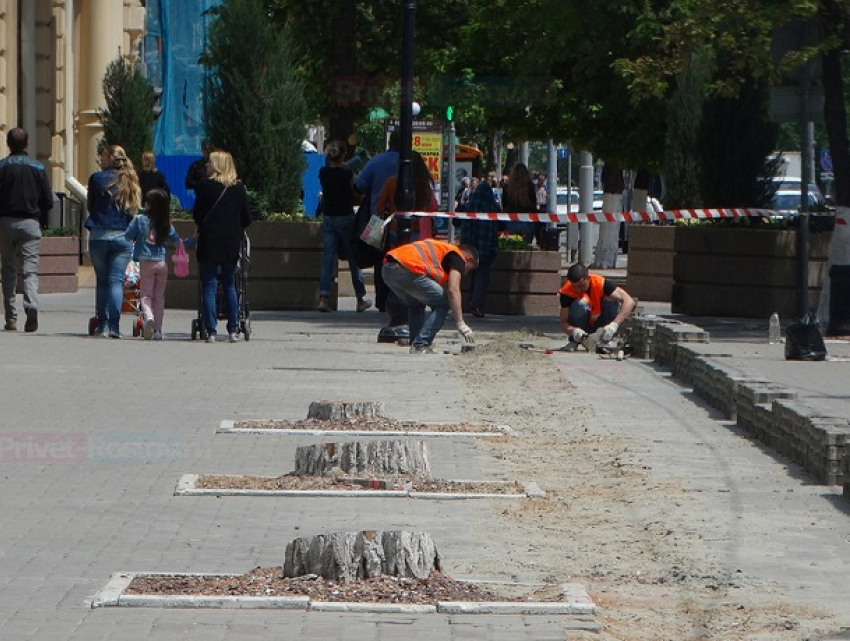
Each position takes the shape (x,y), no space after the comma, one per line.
(803,340)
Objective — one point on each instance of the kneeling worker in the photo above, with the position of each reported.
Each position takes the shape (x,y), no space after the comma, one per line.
(590,302)
(428,272)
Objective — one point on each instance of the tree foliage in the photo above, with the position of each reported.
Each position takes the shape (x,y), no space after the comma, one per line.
(254,105)
(128,117)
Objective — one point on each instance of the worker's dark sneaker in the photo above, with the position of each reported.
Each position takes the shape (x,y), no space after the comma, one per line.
(11,326)
(363,304)
(423,349)
(32,320)
(324,304)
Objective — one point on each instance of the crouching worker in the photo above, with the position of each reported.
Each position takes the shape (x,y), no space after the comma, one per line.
(590,302)
(428,272)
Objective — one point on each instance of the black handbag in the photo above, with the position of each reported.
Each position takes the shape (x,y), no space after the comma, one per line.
(803,340)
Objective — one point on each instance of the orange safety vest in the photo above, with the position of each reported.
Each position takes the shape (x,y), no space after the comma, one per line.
(593,295)
(425,257)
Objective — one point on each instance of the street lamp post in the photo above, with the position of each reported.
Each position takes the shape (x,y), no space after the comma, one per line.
(405,195)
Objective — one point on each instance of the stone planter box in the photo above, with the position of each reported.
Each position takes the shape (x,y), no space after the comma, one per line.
(286,261)
(523,282)
(57,265)
(748,273)
(650,270)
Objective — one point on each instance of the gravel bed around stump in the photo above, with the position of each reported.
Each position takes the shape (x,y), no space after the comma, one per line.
(376,424)
(383,589)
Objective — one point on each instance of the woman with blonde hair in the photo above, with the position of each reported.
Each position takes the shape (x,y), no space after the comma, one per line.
(221,214)
(114,197)
(150,177)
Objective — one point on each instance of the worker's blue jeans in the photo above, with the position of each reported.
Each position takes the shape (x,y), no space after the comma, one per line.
(580,315)
(416,291)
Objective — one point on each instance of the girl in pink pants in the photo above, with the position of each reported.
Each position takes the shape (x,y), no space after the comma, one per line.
(150,231)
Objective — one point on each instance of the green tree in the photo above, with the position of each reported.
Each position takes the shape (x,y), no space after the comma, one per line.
(684,119)
(734,143)
(253,101)
(128,117)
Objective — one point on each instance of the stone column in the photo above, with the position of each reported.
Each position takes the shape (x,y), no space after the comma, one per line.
(101,28)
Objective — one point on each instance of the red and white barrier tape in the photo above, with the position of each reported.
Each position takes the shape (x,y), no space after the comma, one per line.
(598,217)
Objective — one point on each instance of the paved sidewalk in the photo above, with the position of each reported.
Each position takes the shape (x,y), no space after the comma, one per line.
(96,433)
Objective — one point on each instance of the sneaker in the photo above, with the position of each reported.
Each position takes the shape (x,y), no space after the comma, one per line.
(233,337)
(477,312)
(32,320)
(210,338)
(363,304)
(324,304)
(157,335)
(114,334)
(147,329)
(422,349)
(11,326)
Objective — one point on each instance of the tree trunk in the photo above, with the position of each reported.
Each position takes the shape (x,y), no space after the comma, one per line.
(344,57)
(605,256)
(360,458)
(835,119)
(345,410)
(352,556)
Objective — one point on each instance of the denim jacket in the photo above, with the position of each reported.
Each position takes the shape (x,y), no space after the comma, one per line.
(144,247)
(104,212)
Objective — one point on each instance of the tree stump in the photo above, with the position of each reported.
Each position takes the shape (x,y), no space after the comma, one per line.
(359,458)
(345,410)
(352,556)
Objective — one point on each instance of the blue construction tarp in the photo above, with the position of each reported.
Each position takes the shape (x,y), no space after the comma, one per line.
(175,39)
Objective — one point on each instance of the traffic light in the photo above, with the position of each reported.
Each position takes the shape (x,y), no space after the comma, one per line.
(450,113)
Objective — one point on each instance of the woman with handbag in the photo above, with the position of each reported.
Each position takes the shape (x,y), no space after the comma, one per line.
(221,213)
(114,197)
(337,182)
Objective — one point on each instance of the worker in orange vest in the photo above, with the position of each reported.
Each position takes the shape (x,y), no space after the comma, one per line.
(590,302)
(428,272)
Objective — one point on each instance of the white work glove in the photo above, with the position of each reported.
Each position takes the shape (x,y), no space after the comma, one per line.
(465,333)
(608,332)
(578,335)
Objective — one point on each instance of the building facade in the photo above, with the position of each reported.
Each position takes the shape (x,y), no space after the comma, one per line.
(53,56)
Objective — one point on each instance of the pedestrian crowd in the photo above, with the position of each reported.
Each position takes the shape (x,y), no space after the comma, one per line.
(129,220)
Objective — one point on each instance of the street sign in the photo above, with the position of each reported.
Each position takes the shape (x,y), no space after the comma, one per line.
(825,160)
(786,104)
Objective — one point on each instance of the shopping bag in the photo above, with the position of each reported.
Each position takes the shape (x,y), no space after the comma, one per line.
(803,340)
(180,259)
(373,233)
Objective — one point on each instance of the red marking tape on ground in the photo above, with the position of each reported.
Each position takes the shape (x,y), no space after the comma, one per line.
(599,217)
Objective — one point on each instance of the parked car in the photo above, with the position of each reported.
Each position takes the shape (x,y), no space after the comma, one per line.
(786,202)
(562,196)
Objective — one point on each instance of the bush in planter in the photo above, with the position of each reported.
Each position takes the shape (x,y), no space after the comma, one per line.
(57,232)
(513,243)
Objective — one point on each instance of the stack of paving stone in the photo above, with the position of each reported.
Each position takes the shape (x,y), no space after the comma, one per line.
(770,412)
(669,336)
(642,332)
(815,442)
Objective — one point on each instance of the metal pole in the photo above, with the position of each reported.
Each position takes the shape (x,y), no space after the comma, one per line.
(585,195)
(452,178)
(805,178)
(405,195)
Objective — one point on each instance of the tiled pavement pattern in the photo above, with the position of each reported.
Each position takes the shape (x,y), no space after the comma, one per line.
(95,433)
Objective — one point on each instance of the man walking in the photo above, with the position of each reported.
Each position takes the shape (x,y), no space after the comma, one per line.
(428,272)
(25,200)
(590,302)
